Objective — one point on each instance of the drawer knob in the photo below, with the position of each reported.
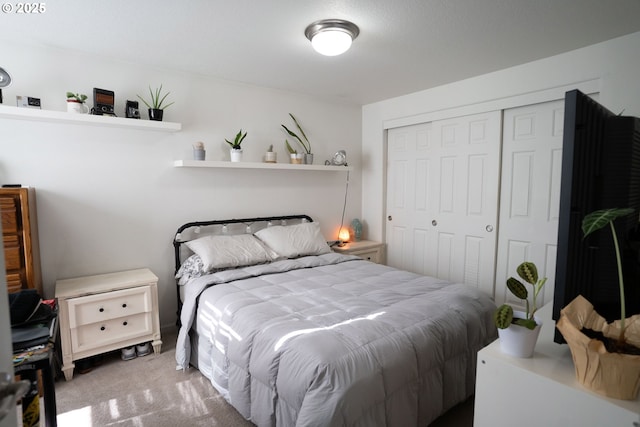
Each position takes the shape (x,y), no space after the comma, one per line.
(124,323)
(102,328)
(101,309)
(124,305)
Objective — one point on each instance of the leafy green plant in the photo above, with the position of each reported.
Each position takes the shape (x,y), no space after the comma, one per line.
(236,144)
(156,101)
(503,316)
(80,97)
(597,220)
(290,149)
(304,141)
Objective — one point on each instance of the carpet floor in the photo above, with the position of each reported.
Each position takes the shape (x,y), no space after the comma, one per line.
(148,391)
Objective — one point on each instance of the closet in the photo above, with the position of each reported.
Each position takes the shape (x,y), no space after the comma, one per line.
(469,198)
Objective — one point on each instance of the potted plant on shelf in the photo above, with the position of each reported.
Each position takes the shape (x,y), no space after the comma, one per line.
(156,103)
(270,156)
(518,331)
(236,146)
(606,356)
(304,141)
(75,103)
(294,156)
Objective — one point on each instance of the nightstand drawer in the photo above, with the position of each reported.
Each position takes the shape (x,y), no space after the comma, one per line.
(111,331)
(372,255)
(111,305)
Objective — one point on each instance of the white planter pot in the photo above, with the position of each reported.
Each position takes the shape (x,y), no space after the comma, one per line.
(519,341)
(236,155)
(270,157)
(296,158)
(77,107)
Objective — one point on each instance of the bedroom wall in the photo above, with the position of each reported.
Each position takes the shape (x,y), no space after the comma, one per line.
(110,199)
(611,67)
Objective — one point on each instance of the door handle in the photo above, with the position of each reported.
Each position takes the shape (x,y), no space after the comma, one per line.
(10,393)
(389,218)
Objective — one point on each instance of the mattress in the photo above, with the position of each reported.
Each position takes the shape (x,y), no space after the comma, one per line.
(333,340)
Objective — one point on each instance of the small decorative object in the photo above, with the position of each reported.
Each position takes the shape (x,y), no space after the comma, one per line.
(236,146)
(270,156)
(28,102)
(606,356)
(131,110)
(304,141)
(356,225)
(198,151)
(518,331)
(294,156)
(156,103)
(343,235)
(104,101)
(75,103)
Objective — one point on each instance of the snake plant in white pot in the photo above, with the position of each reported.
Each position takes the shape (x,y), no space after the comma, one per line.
(519,330)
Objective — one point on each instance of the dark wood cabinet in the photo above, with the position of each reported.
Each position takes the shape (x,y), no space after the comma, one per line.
(20,239)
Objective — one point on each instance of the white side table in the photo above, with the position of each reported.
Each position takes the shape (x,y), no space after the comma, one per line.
(367,249)
(106,312)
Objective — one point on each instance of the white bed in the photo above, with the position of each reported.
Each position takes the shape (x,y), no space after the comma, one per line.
(316,338)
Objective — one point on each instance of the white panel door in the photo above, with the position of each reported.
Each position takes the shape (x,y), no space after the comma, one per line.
(529,204)
(442,198)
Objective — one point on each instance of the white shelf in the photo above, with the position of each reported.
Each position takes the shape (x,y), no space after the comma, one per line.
(34,114)
(256,165)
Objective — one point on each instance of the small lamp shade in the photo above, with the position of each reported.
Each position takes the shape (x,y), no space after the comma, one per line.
(344,235)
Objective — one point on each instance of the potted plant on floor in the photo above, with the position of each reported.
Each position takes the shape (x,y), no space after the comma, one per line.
(304,141)
(75,103)
(156,103)
(236,146)
(605,355)
(518,331)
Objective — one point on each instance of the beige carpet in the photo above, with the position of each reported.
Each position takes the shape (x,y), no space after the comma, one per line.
(148,391)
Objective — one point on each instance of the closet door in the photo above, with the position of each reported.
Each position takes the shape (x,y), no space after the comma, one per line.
(442,198)
(530,186)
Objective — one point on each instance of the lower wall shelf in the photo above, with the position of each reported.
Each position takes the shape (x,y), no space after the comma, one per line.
(257,165)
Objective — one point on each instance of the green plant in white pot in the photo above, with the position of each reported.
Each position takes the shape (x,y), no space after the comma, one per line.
(236,146)
(519,330)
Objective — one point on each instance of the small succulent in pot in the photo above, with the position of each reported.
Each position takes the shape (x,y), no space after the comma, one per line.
(156,100)
(503,316)
(76,97)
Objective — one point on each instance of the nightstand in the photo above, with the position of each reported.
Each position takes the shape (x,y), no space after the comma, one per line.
(367,249)
(107,312)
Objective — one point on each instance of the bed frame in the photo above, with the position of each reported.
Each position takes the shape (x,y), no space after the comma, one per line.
(194,230)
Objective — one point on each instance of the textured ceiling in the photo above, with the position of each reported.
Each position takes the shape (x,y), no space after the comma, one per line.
(404,45)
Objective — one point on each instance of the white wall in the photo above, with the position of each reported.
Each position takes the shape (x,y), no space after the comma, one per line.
(109,199)
(611,67)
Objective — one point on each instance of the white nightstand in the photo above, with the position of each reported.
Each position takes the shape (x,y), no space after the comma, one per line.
(107,312)
(367,249)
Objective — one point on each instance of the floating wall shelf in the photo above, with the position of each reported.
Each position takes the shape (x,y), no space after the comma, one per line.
(256,165)
(33,114)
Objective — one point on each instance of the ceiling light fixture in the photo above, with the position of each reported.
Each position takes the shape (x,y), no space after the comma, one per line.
(331,37)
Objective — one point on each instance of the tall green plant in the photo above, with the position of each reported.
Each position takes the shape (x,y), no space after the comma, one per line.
(236,144)
(156,101)
(503,316)
(597,220)
(304,141)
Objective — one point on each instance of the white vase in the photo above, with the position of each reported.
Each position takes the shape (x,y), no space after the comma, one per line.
(296,158)
(517,340)
(270,157)
(76,107)
(236,155)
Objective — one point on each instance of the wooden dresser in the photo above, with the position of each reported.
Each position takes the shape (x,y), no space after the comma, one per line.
(20,238)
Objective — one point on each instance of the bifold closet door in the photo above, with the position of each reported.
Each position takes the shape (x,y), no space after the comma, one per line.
(529,203)
(442,198)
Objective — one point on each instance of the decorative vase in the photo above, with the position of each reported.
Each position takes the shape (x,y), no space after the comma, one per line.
(356,225)
(236,155)
(296,158)
(308,158)
(199,153)
(77,107)
(155,114)
(270,157)
(517,340)
(615,375)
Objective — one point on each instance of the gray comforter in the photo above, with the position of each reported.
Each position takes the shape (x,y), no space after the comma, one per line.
(333,340)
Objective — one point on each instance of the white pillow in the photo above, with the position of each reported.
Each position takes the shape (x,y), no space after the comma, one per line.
(229,251)
(292,241)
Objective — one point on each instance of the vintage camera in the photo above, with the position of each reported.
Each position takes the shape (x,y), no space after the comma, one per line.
(103,102)
(131,111)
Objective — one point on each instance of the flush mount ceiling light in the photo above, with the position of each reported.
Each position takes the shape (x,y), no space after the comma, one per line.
(331,37)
